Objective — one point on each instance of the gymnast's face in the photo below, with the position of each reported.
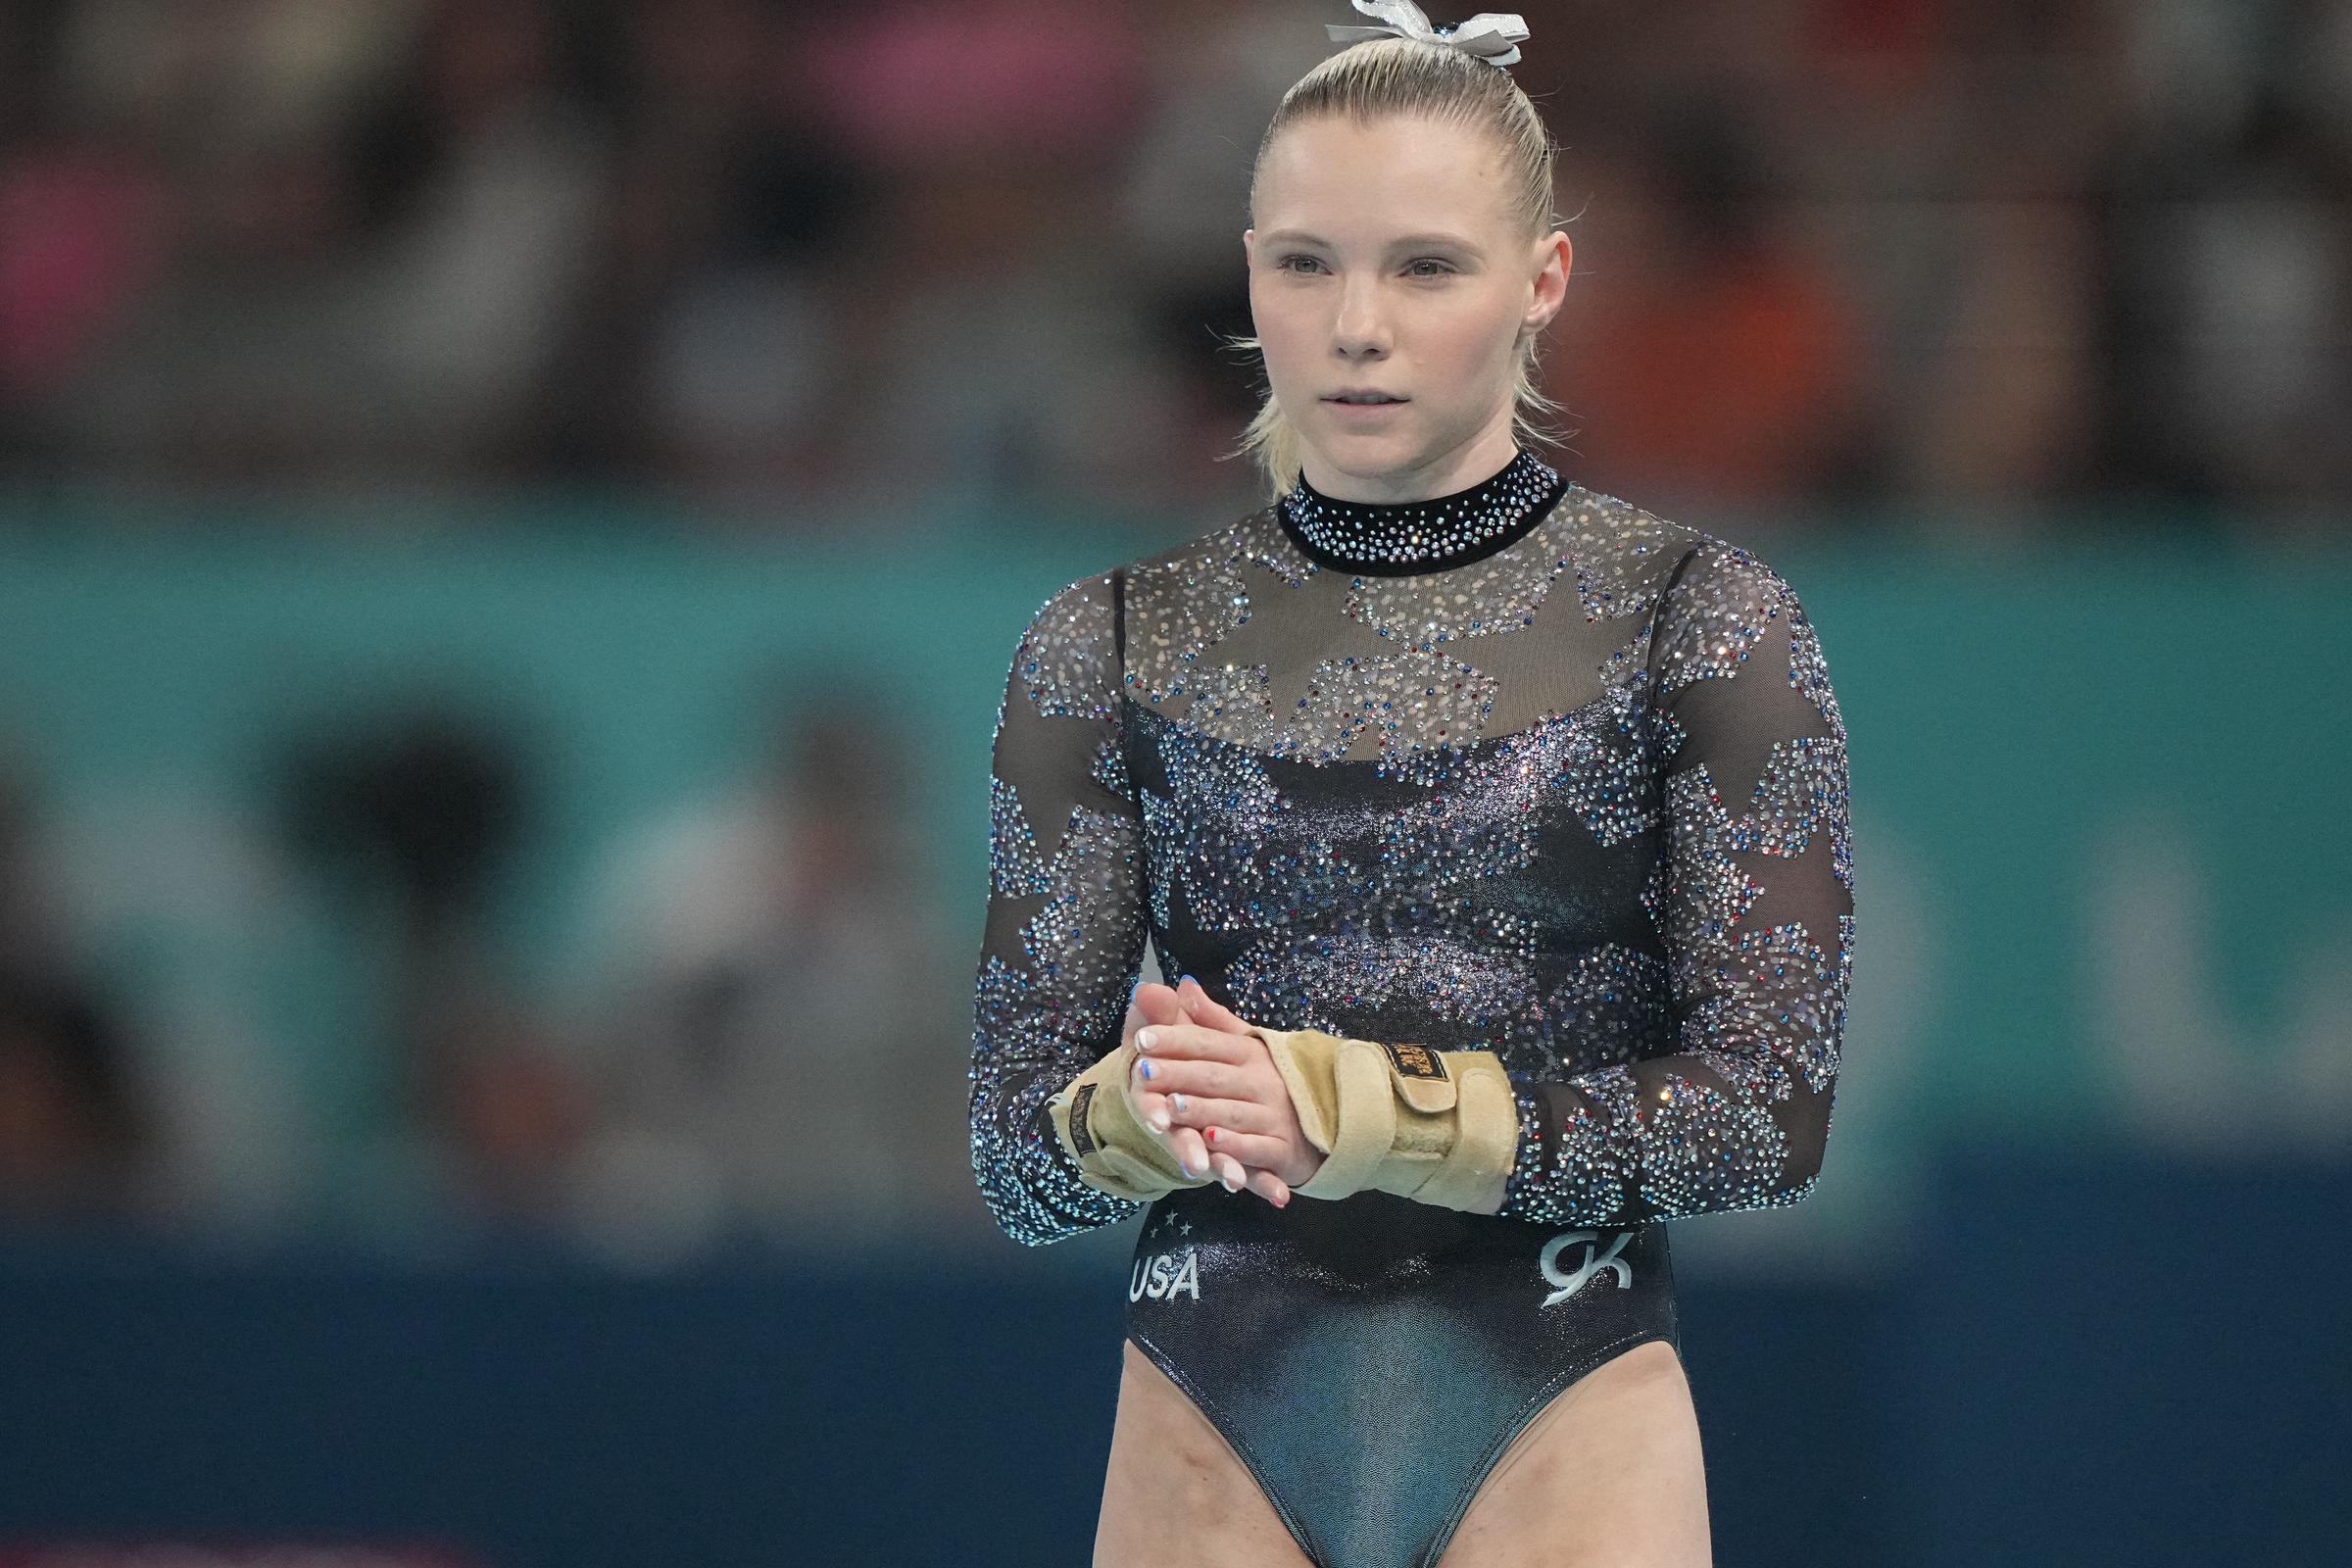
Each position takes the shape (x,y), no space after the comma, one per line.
(1381,257)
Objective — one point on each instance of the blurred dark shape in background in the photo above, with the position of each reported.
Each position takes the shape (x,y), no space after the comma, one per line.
(70,1135)
(411,813)
(1725,368)
(412,810)
(773,970)
(76,1139)
(2229,308)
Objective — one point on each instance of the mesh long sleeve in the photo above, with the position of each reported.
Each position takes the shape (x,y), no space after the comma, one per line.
(1753,902)
(1065,928)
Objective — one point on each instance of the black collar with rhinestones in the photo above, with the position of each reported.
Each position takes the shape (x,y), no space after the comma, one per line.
(1395,539)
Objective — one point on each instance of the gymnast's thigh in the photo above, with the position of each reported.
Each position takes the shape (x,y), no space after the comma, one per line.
(1608,1472)
(1176,1492)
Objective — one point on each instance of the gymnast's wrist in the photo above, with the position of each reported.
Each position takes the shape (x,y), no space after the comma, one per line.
(1440,1127)
(1095,1120)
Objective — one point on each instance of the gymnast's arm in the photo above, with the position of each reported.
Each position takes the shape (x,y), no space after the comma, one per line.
(1064,935)
(1753,901)
(1755,908)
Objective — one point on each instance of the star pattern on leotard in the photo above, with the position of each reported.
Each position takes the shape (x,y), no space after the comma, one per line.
(1760,1008)
(1609,696)
(1066,932)
(1424,682)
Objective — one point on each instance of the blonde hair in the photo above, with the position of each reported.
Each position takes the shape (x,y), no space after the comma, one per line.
(1378,78)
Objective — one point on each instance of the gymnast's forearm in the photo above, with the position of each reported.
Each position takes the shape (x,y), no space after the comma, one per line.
(1440,1127)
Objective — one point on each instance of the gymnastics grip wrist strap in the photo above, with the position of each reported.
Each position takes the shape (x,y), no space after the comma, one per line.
(1439,1127)
(1114,1151)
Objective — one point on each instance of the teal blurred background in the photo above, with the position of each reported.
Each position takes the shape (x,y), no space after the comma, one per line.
(514,521)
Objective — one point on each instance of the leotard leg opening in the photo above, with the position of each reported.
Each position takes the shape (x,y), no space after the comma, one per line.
(1372,1360)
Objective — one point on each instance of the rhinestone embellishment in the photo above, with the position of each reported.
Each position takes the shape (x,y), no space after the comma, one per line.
(1393,538)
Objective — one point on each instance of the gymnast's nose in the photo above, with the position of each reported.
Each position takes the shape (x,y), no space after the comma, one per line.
(1360,327)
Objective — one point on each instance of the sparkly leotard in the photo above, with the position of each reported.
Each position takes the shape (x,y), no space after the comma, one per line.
(1523,769)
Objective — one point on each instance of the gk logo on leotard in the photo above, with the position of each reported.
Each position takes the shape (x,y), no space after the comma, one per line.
(1594,1263)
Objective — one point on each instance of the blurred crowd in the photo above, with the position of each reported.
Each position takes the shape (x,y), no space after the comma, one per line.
(298,1014)
(1989,259)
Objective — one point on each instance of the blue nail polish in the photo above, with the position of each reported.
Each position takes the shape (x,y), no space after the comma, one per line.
(1146,1069)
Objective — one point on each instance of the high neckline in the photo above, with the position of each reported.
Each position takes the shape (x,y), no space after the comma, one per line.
(1395,539)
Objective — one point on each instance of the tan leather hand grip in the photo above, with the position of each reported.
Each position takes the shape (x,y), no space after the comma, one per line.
(1116,1152)
(1437,1126)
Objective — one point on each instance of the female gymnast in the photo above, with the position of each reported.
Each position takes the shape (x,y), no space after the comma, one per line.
(1497,830)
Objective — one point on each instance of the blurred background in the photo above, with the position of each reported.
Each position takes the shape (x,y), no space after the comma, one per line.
(513,521)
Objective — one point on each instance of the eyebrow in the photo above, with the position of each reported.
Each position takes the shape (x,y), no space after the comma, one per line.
(1297,236)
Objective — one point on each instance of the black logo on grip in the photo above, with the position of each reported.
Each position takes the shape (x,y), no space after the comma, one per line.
(1416,1061)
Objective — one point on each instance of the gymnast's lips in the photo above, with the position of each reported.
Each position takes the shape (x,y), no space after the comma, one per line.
(1363,411)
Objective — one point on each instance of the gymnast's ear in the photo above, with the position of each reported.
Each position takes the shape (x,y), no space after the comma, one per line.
(1549,296)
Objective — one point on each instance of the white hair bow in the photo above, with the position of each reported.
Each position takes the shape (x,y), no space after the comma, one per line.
(1492,35)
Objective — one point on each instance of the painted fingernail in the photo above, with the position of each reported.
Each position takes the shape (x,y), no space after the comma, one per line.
(1176,1101)
(1159,1119)
(1212,1135)
(1144,1039)
(1146,1069)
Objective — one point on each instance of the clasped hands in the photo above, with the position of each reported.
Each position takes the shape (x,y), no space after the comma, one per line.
(1193,1094)
(1209,1092)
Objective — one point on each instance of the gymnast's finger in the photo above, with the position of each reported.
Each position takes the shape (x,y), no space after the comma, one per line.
(1235,1176)
(1206,1010)
(1239,1115)
(1152,1109)
(1251,1149)
(1190,1151)
(1151,1003)
(1151,1084)
(1270,1187)
(1192,1040)
(1191,1075)
(1150,1104)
